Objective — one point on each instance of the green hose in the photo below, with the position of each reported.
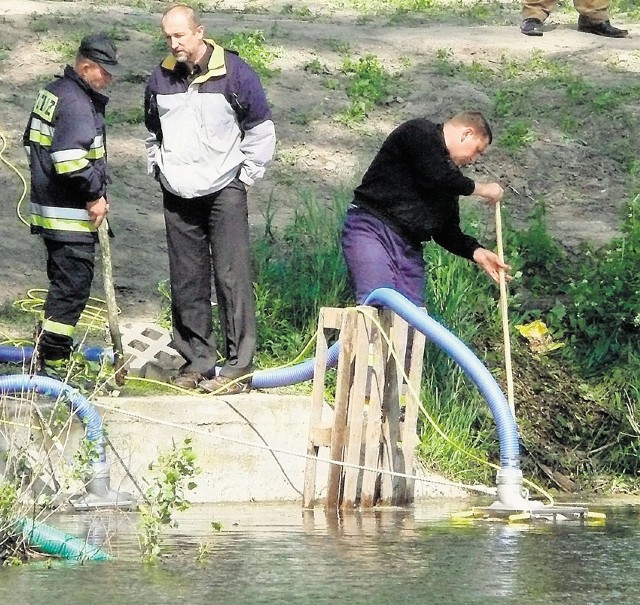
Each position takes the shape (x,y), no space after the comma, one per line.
(55,542)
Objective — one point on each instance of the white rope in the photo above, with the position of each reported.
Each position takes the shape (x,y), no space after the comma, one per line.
(175,425)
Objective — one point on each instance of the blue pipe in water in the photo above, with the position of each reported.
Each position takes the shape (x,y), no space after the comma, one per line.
(99,492)
(464,357)
(445,340)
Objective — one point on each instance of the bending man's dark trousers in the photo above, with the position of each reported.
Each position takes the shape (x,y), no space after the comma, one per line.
(378,257)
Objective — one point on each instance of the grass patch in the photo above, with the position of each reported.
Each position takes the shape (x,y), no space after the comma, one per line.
(299,12)
(397,11)
(134,115)
(62,49)
(298,270)
(252,47)
(369,83)
(516,136)
(630,8)
(603,312)
(541,95)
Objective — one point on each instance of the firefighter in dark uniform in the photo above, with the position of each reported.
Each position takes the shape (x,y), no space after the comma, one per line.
(65,144)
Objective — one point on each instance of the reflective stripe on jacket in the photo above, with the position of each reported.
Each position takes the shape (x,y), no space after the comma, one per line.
(65,143)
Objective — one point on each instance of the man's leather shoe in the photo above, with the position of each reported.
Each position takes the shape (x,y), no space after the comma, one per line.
(601,29)
(188,380)
(223,385)
(531,27)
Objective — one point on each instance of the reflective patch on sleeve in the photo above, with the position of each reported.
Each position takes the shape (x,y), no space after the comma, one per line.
(69,160)
(41,133)
(55,219)
(45,105)
(97,150)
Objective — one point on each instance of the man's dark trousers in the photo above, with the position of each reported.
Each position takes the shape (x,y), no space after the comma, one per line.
(70,268)
(205,234)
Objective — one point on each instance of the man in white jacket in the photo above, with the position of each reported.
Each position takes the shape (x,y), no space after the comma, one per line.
(212,136)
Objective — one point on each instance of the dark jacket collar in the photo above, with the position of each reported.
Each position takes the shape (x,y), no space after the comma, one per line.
(95,96)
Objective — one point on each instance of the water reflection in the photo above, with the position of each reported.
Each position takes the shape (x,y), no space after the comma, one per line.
(280,554)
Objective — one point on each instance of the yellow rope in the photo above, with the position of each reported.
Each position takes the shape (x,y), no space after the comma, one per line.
(428,416)
(94,316)
(22,179)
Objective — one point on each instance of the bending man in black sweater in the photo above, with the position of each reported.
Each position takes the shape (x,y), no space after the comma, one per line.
(408,196)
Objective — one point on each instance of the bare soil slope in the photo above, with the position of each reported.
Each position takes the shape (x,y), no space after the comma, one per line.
(584,188)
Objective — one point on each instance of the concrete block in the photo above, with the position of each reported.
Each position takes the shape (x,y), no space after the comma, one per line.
(250,447)
(147,351)
(231,437)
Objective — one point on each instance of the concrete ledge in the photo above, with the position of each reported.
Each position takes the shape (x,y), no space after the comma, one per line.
(230,437)
(250,447)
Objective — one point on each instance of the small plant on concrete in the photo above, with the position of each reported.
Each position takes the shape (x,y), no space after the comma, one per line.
(171,475)
(84,459)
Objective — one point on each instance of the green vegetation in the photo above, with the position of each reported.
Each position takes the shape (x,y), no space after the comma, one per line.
(300,12)
(65,49)
(8,498)
(11,547)
(447,395)
(171,475)
(517,134)
(316,67)
(141,4)
(369,84)
(629,7)
(83,460)
(602,313)
(297,271)
(252,48)
(134,115)
(477,11)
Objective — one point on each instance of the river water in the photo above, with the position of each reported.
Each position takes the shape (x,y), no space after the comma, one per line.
(277,554)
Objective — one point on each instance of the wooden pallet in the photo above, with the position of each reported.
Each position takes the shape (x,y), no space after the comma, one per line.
(375,414)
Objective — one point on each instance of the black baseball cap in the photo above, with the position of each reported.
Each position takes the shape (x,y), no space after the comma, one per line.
(100,49)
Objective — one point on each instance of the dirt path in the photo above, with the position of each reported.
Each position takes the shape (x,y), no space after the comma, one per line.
(316,153)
